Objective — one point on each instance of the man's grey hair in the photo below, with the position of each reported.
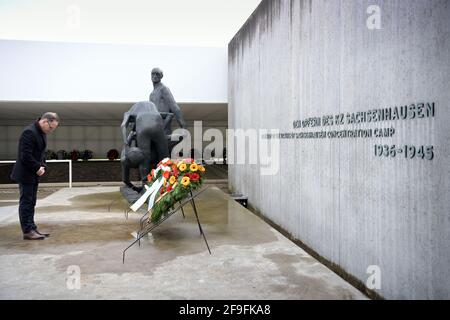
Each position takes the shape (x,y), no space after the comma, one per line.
(158,70)
(50,116)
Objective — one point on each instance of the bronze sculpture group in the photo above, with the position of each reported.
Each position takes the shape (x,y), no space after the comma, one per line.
(147,134)
(148,139)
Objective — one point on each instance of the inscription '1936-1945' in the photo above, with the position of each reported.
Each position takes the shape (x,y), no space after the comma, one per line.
(409,152)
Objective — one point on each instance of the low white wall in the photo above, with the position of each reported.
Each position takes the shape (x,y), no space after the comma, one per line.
(49,71)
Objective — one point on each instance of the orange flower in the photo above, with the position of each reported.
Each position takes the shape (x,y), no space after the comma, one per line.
(166,174)
(201,168)
(174,170)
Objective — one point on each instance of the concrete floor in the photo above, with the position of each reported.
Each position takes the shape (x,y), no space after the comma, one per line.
(9,195)
(250,260)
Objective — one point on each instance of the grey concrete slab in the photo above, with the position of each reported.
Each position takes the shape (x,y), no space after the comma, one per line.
(249,260)
(8,210)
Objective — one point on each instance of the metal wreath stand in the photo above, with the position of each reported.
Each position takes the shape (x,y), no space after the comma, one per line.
(145,229)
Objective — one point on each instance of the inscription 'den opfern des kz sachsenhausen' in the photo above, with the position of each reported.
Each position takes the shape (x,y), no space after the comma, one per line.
(406,112)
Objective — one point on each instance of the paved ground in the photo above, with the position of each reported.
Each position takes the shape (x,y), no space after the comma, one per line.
(250,260)
(10,196)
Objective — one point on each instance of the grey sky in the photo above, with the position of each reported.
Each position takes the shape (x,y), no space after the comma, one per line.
(168,22)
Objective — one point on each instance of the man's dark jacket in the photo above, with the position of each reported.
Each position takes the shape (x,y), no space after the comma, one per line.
(31,154)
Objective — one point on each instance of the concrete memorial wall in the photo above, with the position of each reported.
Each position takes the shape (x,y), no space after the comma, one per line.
(358,94)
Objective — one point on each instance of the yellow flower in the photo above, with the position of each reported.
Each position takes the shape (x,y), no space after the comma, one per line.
(201,168)
(172,179)
(182,166)
(185,181)
(180,163)
(193,167)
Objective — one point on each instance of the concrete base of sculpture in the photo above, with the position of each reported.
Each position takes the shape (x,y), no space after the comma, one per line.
(130,195)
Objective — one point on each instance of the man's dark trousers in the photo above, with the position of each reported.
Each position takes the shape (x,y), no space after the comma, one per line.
(28,194)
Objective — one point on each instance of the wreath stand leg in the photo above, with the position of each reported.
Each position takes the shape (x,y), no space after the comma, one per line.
(198,221)
(152,226)
(182,210)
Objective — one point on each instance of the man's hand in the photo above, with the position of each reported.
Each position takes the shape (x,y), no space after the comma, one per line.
(41,171)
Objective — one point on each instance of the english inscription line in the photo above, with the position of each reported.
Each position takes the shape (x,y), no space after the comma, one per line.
(334,134)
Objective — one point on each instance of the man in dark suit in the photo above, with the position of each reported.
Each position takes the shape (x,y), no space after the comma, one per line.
(30,165)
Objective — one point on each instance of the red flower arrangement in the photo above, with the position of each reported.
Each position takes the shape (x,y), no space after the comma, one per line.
(179,179)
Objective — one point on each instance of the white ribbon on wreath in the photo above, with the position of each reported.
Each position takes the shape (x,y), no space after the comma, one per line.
(151,192)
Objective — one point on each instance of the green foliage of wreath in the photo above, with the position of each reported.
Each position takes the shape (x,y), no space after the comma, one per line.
(178,185)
